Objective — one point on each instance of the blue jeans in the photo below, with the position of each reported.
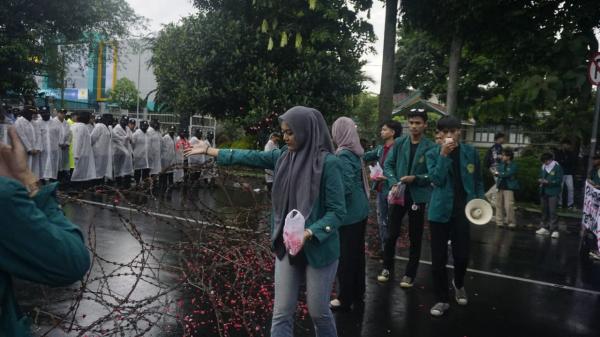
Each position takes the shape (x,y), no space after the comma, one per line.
(319,283)
(382,217)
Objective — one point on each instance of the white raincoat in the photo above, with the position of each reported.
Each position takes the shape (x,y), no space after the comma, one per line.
(167,152)
(122,156)
(102,147)
(83,156)
(154,147)
(139,143)
(27,134)
(50,155)
(64,139)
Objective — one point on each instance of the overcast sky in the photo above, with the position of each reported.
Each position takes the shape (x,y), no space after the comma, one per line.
(160,12)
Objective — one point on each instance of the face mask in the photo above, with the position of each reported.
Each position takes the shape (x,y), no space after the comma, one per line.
(171,134)
(46,117)
(28,115)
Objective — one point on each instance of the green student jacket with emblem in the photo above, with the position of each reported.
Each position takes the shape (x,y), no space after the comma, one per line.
(440,170)
(507,174)
(357,204)
(327,213)
(554,177)
(37,243)
(375,155)
(396,167)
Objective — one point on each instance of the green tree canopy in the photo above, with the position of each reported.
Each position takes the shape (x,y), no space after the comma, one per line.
(518,58)
(125,94)
(30,28)
(224,61)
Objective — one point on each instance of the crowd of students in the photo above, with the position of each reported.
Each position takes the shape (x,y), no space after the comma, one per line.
(82,151)
(328,185)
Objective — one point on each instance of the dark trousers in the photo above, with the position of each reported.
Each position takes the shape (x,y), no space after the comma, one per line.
(123,182)
(351,268)
(140,175)
(416,220)
(457,230)
(165,180)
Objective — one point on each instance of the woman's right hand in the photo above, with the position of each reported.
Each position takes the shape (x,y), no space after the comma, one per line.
(200,148)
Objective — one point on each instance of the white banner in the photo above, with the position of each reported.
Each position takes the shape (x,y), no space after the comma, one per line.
(591,210)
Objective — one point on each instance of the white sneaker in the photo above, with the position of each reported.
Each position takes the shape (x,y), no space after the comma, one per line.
(460,295)
(512,225)
(555,235)
(439,309)
(384,276)
(542,231)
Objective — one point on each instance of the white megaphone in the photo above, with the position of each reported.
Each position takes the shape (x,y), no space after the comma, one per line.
(479,211)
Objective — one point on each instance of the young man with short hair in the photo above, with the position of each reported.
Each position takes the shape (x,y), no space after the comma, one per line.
(567,159)
(506,183)
(455,173)
(551,177)
(390,130)
(406,164)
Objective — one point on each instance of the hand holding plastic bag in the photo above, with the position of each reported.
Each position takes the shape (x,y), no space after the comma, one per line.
(397,197)
(375,171)
(293,232)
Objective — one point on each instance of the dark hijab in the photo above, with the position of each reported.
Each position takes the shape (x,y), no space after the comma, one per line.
(298,173)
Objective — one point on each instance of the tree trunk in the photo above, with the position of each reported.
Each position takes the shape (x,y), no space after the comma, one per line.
(453,62)
(386,92)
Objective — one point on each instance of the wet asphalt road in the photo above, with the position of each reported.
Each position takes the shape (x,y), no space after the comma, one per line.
(519,284)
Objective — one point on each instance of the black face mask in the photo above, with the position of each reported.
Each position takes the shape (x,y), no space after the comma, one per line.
(123,124)
(45,117)
(144,128)
(28,115)
(171,134)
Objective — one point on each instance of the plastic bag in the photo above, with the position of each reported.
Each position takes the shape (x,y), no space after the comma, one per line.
(398,197)
(293,232)
(375,171)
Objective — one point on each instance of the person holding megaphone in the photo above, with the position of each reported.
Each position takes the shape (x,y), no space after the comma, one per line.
(455,172)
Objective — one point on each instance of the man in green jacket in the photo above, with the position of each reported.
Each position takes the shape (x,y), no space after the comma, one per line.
(454,170)
(507,184)
(37,242)
(406,164)
(551,176)
(390,131)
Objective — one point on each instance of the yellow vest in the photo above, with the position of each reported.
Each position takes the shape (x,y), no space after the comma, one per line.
(71,161)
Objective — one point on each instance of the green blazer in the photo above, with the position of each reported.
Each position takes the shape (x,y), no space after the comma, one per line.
(396,167)
(37,243)
(327,212)
(508,174)
(440,170)
(594,176)
(375,155)
(357,203)
(552,189)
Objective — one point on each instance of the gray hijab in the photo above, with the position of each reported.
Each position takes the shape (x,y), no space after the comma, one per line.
(345,136)
(298,173)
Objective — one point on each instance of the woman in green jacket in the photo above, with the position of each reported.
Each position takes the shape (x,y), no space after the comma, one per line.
(37,242)
(351,270)
(307,177)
